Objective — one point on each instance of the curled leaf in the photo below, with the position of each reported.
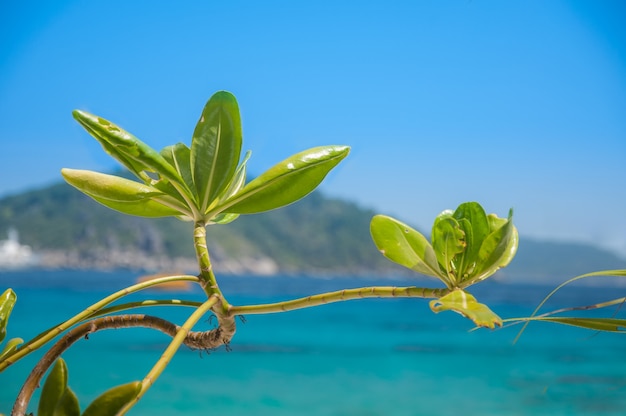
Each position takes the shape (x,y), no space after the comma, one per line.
(7,301)
(464,303)
(11,346)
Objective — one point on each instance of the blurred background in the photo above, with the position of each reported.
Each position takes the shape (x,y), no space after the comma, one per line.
(513,104)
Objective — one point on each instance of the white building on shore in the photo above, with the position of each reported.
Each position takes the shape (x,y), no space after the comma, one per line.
(14,255)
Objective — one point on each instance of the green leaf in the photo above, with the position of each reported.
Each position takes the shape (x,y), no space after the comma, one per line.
(497,250)
(238,181)
(7,301)
(129,150)
(53,389)
(464,303)
(113,400)
(179,156)
(216,147)
(286,182)
(109,187)
(597,324)
(11,346)
(617,273)
(224,218)
(448,241)
(68,404)
(145,208)
(91,123)
(473,221)
(405,246)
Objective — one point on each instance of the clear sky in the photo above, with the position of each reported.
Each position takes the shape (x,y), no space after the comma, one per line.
(510,103)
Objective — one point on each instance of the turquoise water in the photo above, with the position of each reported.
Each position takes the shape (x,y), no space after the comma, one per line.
(368,357)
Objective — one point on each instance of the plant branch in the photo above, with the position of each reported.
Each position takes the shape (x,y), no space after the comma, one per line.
(51,333)
(203,340)
(339,296)
(182,334)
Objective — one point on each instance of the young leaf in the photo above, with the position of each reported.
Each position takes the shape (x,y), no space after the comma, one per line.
(129,150)
(498,248)
(215,147)
(405,246)
(286,182)
(53,389)
(238,181)
(123,195)
(179,156)
(464,303)
(113,400)
(7,301)
(109,187)
(448,241)
(475,215)
(11,346)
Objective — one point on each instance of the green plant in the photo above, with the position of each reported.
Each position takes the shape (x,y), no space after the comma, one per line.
(206,184)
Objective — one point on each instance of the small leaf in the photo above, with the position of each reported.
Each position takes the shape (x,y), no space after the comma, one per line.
(448,241)
(464,303)
(53,389)
(11,346)
(238,181)
(405,246)
(224,218)
(113,400)
(497,250)
(216,147)
(7,301)
(179,156)
(286,182)
(109,187)
(471,213)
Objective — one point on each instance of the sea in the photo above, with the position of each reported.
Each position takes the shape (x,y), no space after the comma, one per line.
(363,357)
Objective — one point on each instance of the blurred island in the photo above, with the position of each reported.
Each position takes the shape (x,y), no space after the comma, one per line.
(315,236)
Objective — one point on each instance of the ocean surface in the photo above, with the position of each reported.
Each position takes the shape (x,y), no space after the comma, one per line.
(364,357)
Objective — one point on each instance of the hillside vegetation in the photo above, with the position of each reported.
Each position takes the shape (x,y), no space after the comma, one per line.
(317,235)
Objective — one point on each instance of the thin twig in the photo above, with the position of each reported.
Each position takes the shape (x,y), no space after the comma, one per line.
(339,296)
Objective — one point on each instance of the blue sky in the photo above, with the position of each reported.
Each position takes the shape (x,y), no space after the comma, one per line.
(510,103)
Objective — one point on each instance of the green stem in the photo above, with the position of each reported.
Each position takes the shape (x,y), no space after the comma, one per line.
(339,296)
(145,303)
(51,333)
(207,276)
(171,349)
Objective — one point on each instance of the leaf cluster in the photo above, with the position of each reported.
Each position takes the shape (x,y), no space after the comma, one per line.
(203,183)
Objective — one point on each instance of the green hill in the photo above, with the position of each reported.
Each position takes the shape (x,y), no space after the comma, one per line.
(315,235)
